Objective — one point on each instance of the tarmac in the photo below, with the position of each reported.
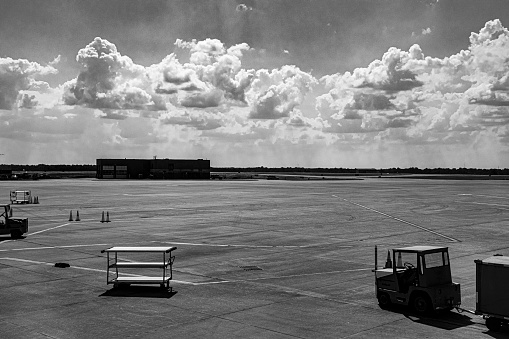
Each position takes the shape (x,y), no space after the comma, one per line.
(254,258)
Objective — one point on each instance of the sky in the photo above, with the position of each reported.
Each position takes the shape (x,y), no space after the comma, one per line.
(275,83)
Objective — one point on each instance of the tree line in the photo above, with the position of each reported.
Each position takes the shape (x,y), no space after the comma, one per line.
(261,169)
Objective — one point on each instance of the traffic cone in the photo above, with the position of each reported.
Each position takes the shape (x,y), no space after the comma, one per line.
(388,262)
(107,216)
(77,215)
(102,219)
(400,263)
(70,216)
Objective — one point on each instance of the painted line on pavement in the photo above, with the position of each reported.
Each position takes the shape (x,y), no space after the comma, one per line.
(483,195)
(280,277)
(236,245)
(86,269)
(504,207)
(51,247)
(400,220)
(189,282)
(48,229)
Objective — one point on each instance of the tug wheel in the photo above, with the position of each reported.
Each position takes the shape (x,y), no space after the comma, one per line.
(384,300)
(421,304)
(16,234)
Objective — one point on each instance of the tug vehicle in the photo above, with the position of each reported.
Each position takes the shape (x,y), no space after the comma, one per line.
(16,227)
(420,277)
(21,197)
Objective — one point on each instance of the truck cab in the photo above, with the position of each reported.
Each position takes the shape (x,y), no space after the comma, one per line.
(417,276)
(16,227)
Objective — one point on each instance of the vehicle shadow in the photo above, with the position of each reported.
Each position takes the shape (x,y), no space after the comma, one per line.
(8,237)
(139,292)
(446,320)
(503,332)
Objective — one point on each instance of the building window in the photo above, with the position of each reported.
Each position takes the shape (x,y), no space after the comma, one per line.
(121,172)
(108,171)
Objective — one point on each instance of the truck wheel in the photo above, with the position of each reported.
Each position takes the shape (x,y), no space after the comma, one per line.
(421,304)
(493,324)
(384,301)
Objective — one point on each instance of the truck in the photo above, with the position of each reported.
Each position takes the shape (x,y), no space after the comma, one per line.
(420,278)
(16,227)
(21,197)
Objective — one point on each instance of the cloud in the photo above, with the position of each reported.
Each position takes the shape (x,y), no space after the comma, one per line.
(274,94)
(243,8)
(27,101)
(203,99)
(199,120)
(370,102)
(18,75)
(108,80)
(392,73)
(210,105)
(211,66)
(422,96)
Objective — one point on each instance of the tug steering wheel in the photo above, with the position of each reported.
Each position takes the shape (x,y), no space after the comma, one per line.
(408,265)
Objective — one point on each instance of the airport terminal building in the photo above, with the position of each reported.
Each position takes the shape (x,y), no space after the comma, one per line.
(153,169)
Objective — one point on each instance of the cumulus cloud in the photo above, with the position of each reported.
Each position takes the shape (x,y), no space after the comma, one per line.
(18,75)
(370,102)
(108,80)
(275,94)
(27,101)
(423,96)
(212,102)
(243,8)
(426,31)
(195,119)
(212,66)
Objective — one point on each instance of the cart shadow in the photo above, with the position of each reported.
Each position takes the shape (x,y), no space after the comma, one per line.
(443,319)
(139,292)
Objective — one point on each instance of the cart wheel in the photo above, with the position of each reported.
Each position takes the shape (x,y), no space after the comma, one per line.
(493,324)
(384,301)
(421,304)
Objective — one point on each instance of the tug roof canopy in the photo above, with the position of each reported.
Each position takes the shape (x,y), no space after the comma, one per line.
(419,249)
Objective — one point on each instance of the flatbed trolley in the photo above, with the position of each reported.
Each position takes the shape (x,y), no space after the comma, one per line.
(165,263)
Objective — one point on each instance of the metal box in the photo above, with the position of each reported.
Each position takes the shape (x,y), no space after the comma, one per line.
(492,286)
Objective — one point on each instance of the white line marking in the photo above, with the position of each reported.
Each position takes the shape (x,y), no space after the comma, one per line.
(51,247)
(400,220)
(48,229)
(231,245)
(188,282)
(484,195)
(86,269)
(280,277)
(483,203)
